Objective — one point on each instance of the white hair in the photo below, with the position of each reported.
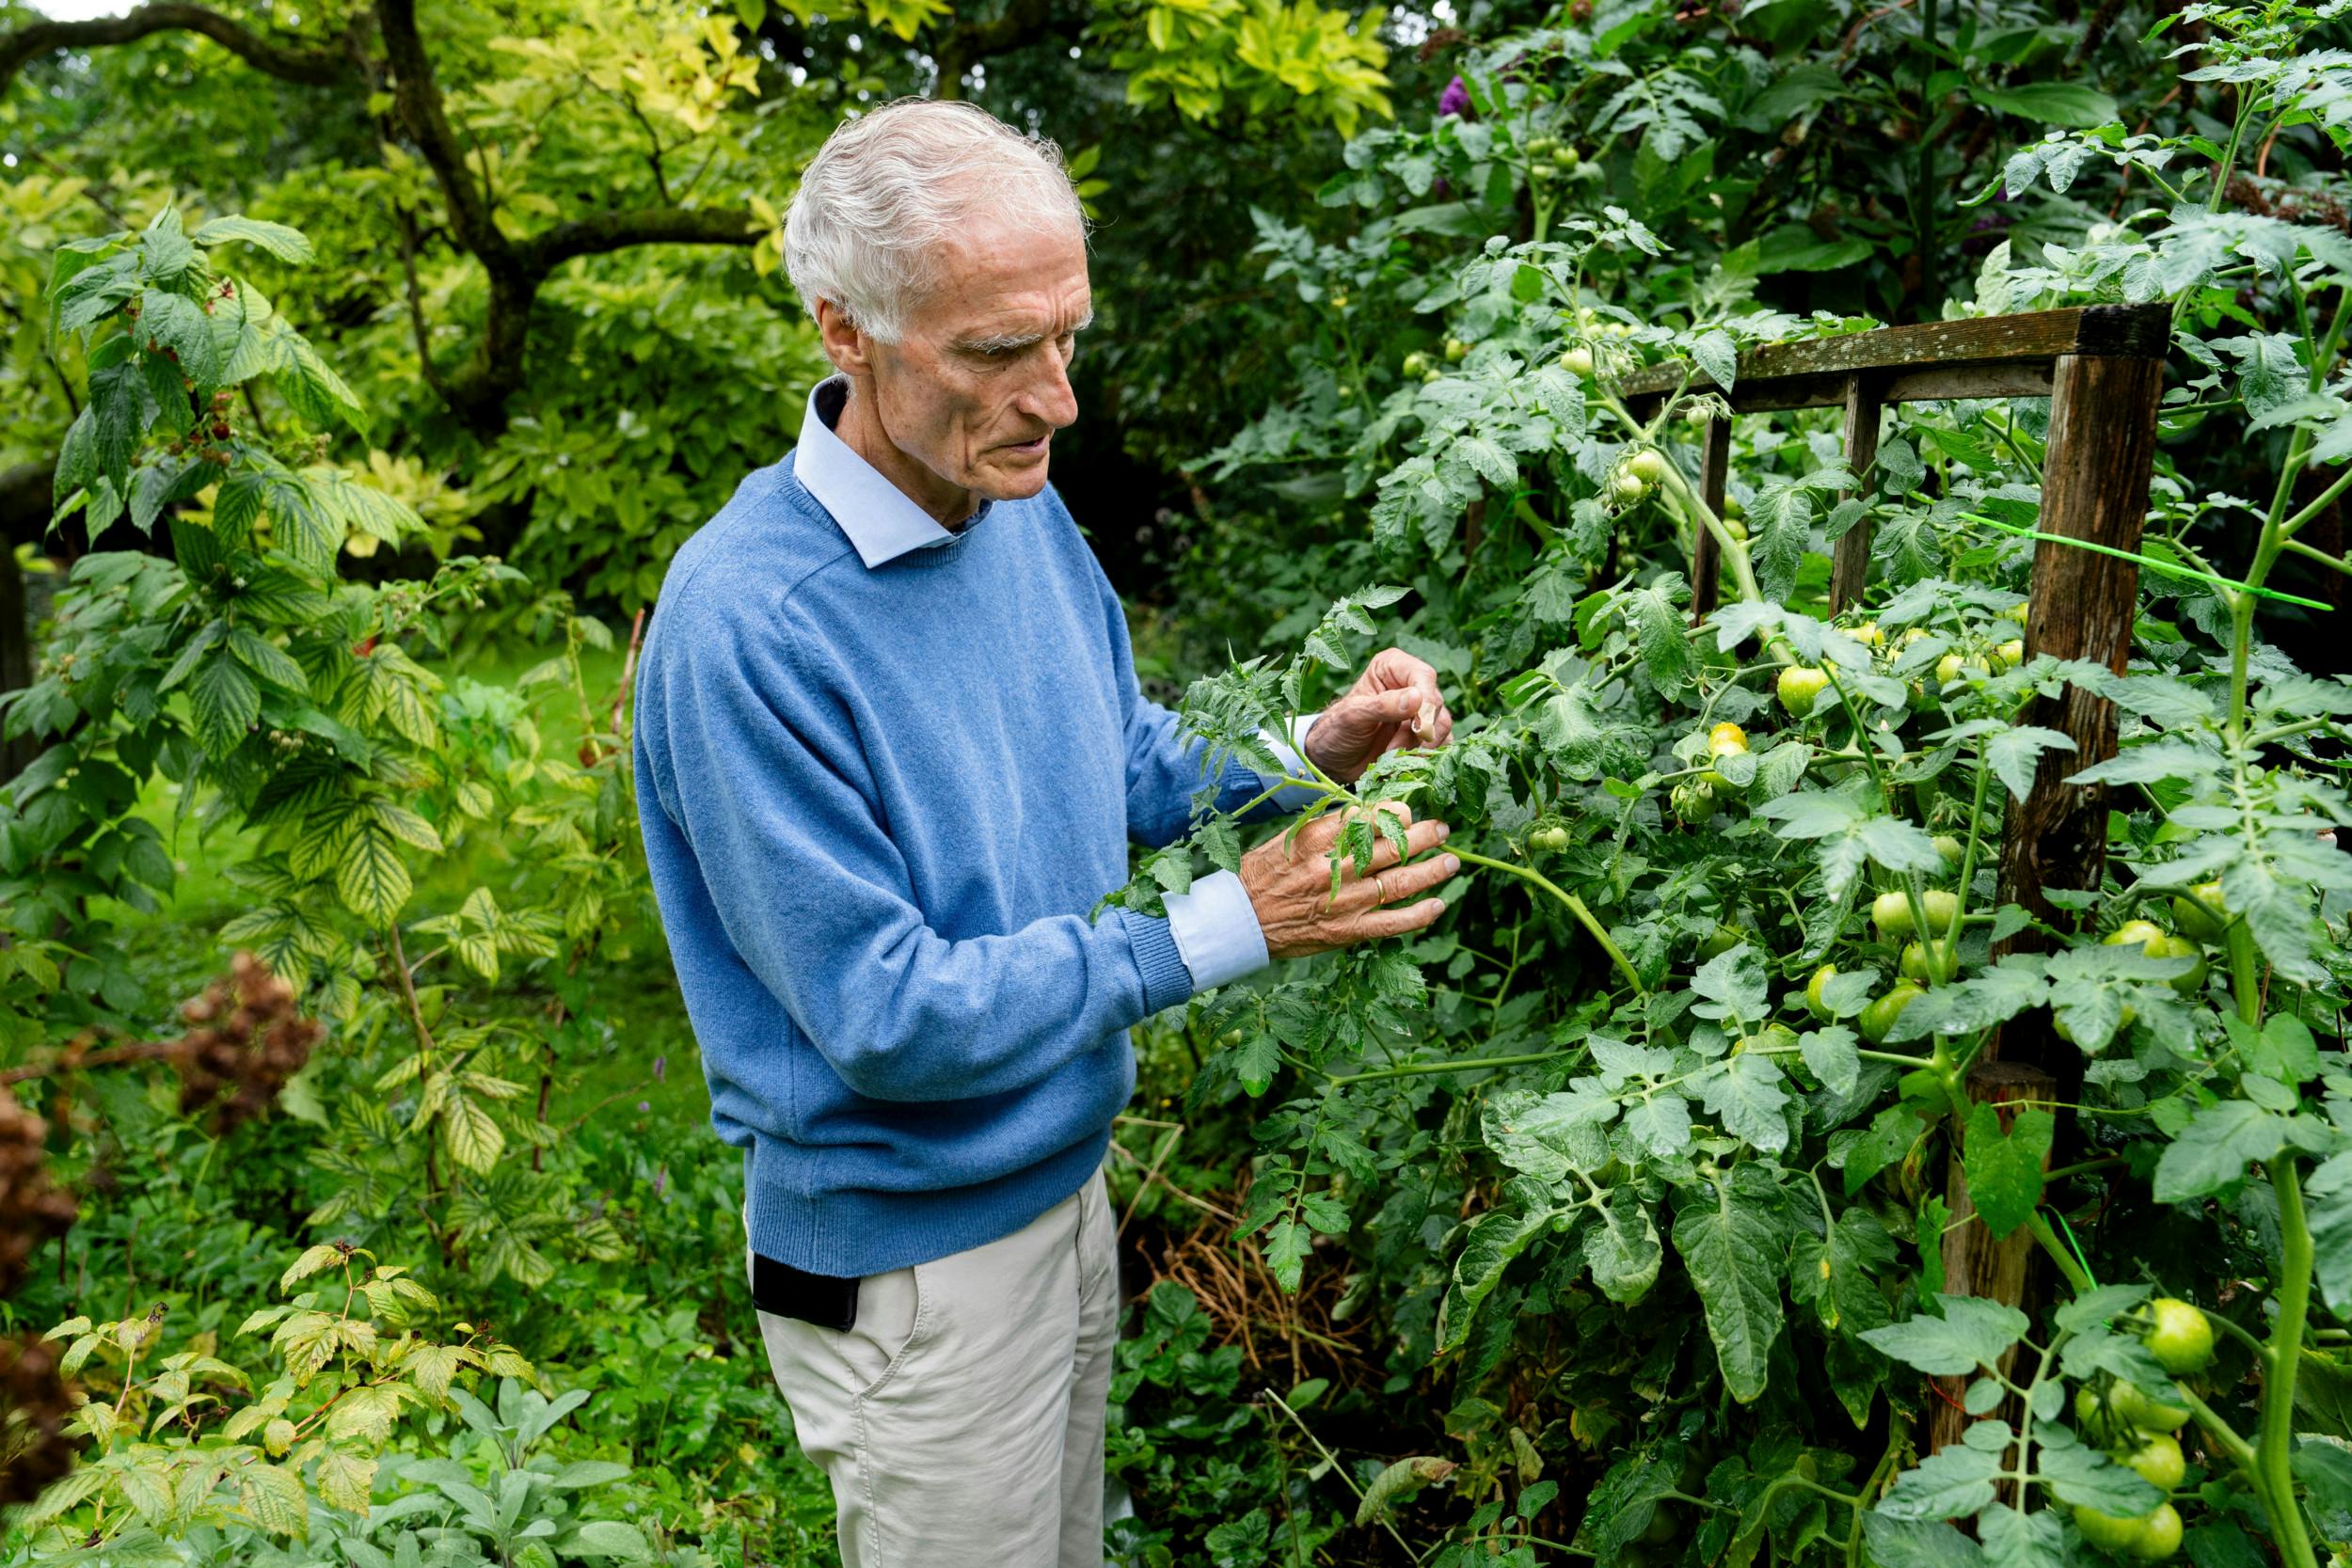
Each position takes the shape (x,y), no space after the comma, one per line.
(888,187)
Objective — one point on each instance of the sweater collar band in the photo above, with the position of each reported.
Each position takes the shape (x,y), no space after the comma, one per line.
(881,521)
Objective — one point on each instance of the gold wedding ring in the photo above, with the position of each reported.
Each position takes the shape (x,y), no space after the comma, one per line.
(1380,888)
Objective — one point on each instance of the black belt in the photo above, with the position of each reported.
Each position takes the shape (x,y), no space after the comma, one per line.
(825,1300)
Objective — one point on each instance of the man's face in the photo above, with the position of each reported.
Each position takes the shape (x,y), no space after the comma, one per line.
(979,382)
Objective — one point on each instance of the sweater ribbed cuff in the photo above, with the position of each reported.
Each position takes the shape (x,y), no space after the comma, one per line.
(1166,980)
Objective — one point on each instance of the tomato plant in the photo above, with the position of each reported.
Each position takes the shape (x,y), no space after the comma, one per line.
(1640,1157)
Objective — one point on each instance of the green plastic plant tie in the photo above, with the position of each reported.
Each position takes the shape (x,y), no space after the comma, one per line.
(2076,1247)
(2168,568)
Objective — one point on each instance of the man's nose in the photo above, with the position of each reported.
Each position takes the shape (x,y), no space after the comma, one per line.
(1048,396)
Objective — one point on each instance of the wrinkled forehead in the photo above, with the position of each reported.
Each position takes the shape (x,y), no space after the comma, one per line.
(990,276)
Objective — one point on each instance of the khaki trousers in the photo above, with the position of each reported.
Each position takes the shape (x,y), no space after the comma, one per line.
(961,1420)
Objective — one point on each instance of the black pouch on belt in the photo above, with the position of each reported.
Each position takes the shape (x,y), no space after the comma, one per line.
(823,1299)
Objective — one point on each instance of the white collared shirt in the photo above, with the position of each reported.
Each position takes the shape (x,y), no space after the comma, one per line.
(1214,924)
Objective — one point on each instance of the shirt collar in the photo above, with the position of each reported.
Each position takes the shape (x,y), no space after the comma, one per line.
(880,520)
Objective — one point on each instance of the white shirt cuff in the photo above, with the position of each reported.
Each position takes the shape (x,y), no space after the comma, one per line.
(1217,930)
(1292,797)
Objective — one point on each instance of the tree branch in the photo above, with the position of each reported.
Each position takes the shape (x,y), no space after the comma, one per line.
(961,46)
(608,231)
(417,99)
(313,65)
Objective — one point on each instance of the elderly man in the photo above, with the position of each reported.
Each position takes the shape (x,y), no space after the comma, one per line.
(890,752)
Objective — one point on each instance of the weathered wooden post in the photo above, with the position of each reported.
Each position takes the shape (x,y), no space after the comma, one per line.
(2104,396)
(1849,566)
(1714,482)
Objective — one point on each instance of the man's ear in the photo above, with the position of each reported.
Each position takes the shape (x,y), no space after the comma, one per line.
(845,345)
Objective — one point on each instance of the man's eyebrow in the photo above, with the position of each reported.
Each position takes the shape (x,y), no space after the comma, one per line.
(1009,342)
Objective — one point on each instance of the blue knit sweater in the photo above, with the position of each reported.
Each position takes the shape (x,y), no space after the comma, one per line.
(877,803)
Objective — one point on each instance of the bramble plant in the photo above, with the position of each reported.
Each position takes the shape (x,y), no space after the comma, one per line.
(1642,1149)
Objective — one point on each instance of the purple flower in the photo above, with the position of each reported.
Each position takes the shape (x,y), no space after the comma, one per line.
(1455,100)
(660,1065)
(645,1105)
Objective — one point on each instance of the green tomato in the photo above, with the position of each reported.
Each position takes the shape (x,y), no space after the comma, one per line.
(1541,145)
(2191,916)
(1915,963)
(1951,667)
(1455,350)
(2163,947)
(2013,653)
(1880,1016)
(2110,1532)
(1629,486)
(1568,157)
(1433,373)
(1696,414)
(1734,527)
(2149,1412)
(1693,801)
(1722,940)
(1950,848)
(2158,1460)
(1816,1001)
(1578,361)
(1649,462)
(1416,363)
(1800,687)
(2160,1535)
(1942,906)
(2181,1338)
(1891,914)
(1663,1527)
(1549,838)
(2133,933)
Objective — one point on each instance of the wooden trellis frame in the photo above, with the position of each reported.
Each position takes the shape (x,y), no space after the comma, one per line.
(2102,366)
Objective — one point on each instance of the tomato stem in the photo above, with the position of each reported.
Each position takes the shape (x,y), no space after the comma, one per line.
(1576,906)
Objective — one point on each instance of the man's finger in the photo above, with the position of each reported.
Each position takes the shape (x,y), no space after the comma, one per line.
(1420,839)
(1393,706)
(1402,921)
(1387,885)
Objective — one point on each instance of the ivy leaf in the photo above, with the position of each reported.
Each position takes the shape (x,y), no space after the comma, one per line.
(2004,1169)
(1728,1232)
(1971,1333)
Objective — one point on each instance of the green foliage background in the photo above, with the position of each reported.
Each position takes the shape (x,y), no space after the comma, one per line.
(367,365)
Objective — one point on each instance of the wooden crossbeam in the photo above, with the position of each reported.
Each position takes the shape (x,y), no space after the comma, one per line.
(1987,356)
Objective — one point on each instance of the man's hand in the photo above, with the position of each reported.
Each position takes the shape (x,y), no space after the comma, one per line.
(1289,886)
(1394,703)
